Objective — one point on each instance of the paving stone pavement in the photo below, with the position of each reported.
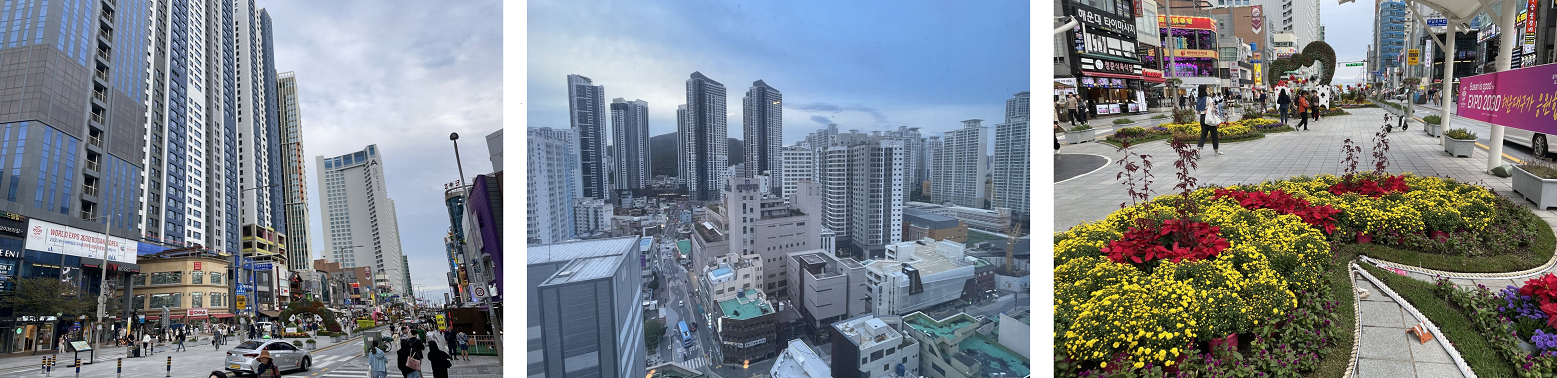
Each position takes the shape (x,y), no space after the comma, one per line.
(1093,196)
(1386,350)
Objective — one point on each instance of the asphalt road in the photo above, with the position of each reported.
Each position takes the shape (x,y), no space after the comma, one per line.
(1483,132)
(1069,166)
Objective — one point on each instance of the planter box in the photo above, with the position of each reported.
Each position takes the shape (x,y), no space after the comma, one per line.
(1459,147)
(335,339)
(311,346)
(1433,130)
(1542,192)
(1078,137)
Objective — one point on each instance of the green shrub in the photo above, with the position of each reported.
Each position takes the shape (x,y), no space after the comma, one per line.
(1461,134)
(1186,116)
(1130,132)
(1431,120)
(1081,128)
(1123,121)
(1160,116)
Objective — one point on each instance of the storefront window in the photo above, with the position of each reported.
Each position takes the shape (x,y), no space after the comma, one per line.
(196,300)
(166,278)
(196,278)
(216,278)
(216,299)
(139,302)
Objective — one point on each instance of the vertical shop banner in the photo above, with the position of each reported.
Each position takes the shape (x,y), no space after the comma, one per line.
(1525,98)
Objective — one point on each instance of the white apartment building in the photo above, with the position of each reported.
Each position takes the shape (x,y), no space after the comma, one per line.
(957,173)
(1012,166)
(916,275)
(294,173)
(360,227)
(587,116)
(868,347)
(799,163)
(552,166)
(259,155)
(591,217)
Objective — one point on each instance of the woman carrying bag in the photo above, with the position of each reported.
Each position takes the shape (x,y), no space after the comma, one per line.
(439,359)
(410,360)
(1208,121)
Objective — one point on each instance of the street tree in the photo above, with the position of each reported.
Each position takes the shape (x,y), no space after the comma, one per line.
(46,296)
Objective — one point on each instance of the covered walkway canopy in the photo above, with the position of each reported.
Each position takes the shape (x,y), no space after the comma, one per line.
(1460,12)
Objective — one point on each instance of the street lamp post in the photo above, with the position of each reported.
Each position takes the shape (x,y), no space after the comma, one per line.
(102,285)
(240,257)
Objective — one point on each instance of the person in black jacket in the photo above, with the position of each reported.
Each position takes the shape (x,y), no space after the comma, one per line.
(408,350)
(439,359)
(1282,102)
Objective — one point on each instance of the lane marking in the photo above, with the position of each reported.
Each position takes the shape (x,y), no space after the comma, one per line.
(1106,162)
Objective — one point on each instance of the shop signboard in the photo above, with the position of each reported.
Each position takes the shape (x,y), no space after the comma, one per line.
(66,240)
(1113,108)
(13,224)
(1515,98)
(1413,57)
(1227,54)
(1487,32)
(1437,22)
(1098,20)
(1187,22)
(7,270)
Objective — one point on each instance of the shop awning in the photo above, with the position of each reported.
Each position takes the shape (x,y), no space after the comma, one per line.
(1112,75)
(1150,79)
(223,316)
(155,317)
(198,317)
(270,313)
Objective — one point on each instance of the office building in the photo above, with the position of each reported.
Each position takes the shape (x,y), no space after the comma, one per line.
(1012,166)
(997,220)
(584,309)
(702,136)
(586,112)
(746,327)
(869,347)
(191,283)
(630,136)
(552,165)
(799,163)
(826,289)
(294,173)
(360,228)
(956,174)
(952,347)
(1389,37)
(763,113)
(495,150)
(752,222)
(918,274)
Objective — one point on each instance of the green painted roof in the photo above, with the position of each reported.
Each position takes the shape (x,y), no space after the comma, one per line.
(994,357)
(945,329)
(685,246)
(745,308)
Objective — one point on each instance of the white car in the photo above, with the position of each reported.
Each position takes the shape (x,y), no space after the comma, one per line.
(1540,144)
(681,303)
(287,357)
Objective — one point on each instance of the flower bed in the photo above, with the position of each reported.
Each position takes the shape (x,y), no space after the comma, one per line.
(1517,320)
(1152,287)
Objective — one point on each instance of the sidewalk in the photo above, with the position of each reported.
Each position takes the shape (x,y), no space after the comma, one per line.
(109,354)
(1094,195)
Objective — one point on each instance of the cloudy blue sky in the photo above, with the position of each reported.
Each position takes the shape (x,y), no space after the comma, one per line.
(401,74)
(868,65)
(1349,30)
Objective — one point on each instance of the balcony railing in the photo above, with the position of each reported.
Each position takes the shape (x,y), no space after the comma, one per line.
(100,96)
(89,190)
(88,215)
(108,35)
(93,165)
(95,141)
(104,54)
(102,75)
(108,16)
(98,118)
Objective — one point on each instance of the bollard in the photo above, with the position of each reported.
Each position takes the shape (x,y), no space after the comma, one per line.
(48,367)
(170,367)
(120,372)
(43,364)
(78,368)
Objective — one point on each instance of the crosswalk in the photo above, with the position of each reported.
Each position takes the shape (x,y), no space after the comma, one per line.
(696,363)
(323,362)
(347,371)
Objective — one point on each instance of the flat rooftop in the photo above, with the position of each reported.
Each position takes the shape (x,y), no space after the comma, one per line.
(586,269)
(993,357)
(798,360)
(685,246)
(749,306)
(925,259)
(579,249)
(868,332)
(944,328)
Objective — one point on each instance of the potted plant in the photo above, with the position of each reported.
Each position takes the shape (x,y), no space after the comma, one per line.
(297,343)
(1434,125)
(1460,142)
(312,344)
(1123,121)
(1537,181)
(335,337)
(1080,134)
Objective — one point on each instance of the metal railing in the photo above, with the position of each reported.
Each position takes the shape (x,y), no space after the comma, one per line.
(100,96)
(96,141)
(483,345)
(98,118)
(102,75)
(108,35)
(108,16)
(104,54)
(90,190)
(93,165)
(87,215)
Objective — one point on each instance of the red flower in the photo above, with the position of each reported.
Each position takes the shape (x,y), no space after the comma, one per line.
(1174,240)
(1322,217)
(1543,288)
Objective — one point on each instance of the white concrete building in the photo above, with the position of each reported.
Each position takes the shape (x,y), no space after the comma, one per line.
(731,274)
(360,228)
(592,217)
(869,347)
(991,220)
(799,361)
(799,163)
(552,165)
(1012,166)
(957,173)
(916,275)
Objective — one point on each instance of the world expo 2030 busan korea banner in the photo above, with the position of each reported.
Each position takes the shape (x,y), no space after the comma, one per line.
(1525,98)
(66,240)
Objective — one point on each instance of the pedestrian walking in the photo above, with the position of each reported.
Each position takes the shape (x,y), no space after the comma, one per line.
(147,345)
(439,359)
(464,343)
(1302,109)
(378,361)
(1070,108)
(409,360)
(1283,101)
(1202,105)
(179,338)
(267,366)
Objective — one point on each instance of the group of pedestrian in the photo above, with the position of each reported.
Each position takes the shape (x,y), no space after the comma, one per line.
(413,351)
(1076,108)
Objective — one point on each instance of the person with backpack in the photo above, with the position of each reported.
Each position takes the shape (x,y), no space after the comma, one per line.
(1302,109)
(1203,105)
(464,343)
(1283,101)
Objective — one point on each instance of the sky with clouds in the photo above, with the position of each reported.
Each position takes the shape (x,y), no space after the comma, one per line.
(401,74)
(869,65)
(1348,30)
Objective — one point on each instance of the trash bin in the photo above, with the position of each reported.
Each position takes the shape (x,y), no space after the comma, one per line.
(367,340)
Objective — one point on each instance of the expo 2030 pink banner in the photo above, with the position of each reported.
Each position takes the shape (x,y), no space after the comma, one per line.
(1525,98)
